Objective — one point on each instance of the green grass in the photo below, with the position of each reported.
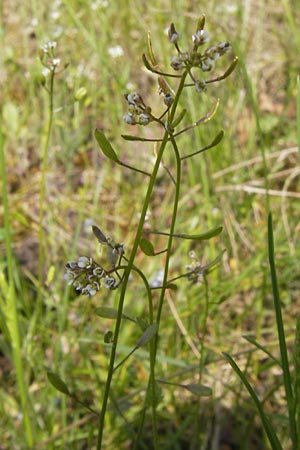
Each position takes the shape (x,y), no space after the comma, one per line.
(53,191)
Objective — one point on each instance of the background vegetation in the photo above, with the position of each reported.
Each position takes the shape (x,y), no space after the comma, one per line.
(101,43)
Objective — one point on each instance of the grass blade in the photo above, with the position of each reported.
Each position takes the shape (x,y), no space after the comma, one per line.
(11,307)
(273,439)
(281,337)
(298,115)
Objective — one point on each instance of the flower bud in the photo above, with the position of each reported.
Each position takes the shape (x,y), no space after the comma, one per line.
(200,86)
(144,119)
(207,64)
(223,47)
(130,119)
(80,93)
(176,63)
(168,99)
(200,37)
(173,35)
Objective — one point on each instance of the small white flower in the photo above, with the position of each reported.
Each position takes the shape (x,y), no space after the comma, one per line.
(133,98)
(200,86)
(34,22)
(130,119)
(173,35)
(52,44)
(69,276)
(45,72)
(207,64)
(223,47)
(201,37)
(84,262)
(120,249)
(109,282)
(55,62)
(116,51)
(89,289)
(98,272)
(55,15)
(176,63)
(168,99)
(45,48)
(144,119)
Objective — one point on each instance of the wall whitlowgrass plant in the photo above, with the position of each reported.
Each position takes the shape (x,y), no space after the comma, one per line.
(191,69)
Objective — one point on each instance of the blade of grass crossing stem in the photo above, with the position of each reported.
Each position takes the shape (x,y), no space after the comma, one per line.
(281,337)
(273,439)
(11,304)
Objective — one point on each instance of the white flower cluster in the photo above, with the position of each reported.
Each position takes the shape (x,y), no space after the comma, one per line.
(202,60)
(195,269)
(212,54)
(48,57)
(49,46)
(86,276)
(138,112)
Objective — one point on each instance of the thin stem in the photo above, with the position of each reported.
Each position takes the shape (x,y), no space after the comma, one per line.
(127,274)
(42,195)
(165,279)
(203,331)
(123,291)
(135,169)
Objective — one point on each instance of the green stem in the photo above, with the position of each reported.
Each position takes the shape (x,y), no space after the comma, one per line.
(204,329)
(166,270)
(171,234)
(12,318)
(42,197)
(129,268)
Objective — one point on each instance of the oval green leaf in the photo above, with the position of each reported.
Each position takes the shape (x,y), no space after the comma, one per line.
(231,68)
(208,234)
(147,247)
(199,390)
(203,236)
(105,146)
(129,137)
(58,383)
(217,139)
(99,235)
(107,312)
(147,335)
(110,313)
(108,337)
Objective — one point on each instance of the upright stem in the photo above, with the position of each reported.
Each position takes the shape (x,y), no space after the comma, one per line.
(130,265)
(170,239)
(168,254)
(42,195)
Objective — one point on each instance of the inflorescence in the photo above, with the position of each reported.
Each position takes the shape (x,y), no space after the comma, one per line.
(47,54)
(138,112)
(87,276)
